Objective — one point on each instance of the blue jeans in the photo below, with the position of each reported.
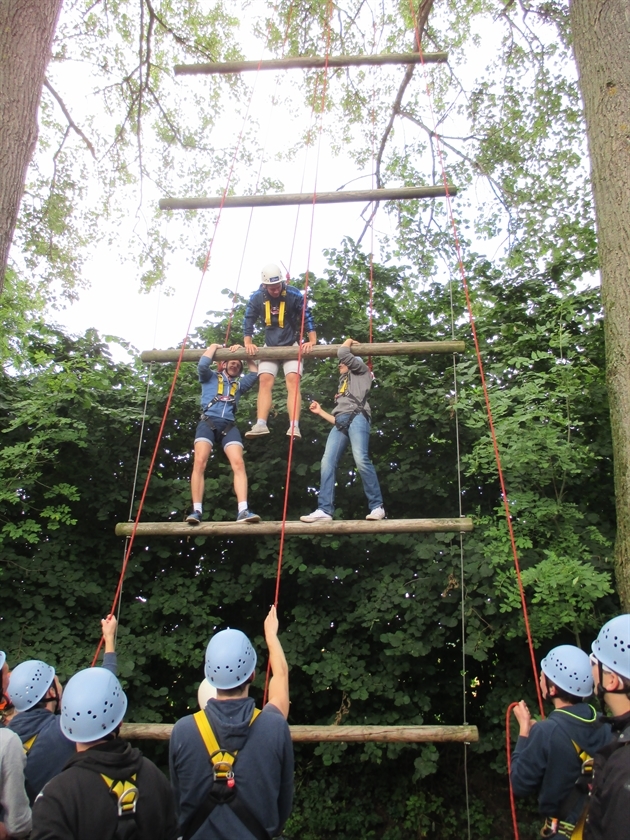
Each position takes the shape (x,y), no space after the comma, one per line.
(358,436)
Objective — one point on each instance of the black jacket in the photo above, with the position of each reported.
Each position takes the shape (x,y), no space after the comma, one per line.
(76,804)
(609,809)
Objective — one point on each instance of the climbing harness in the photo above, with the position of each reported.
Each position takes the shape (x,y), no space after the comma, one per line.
(220,397)
(272,309)
(27,746)
(223,790)
(126,795)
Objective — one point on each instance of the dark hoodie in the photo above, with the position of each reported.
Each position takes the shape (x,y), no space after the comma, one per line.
(609,807)
(263,769)
(76,804)
(548,764)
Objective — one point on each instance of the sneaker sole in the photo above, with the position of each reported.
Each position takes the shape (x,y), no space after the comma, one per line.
(250,520)
(193,522)
(251,434)
(314,521)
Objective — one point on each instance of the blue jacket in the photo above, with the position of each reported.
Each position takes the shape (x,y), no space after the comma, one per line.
(226,407)
(276,336)
(51,748)
(548,764)
(263,769)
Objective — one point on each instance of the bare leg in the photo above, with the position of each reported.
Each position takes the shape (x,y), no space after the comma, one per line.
(293,388)
(265,384)
(202,453)
(234,454)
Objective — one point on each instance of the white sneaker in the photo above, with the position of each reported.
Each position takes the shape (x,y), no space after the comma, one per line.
(316,516)
(257,429)
(376,514)
(295,431)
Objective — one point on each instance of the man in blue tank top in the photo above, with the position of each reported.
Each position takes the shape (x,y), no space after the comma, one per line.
(252,799)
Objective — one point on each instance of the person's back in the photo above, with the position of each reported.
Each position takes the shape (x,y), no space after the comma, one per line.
(15,813)
(107,789)
(259,802)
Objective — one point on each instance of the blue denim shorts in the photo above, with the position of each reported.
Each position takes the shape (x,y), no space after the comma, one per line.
(214,437)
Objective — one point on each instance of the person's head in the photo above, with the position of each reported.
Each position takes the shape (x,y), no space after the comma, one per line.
(5,703)
(33,683)
(230,663)
(272,280)
(566,675)
(234,368)
(610,661)
(93,706)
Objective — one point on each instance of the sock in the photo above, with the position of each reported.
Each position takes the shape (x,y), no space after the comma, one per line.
(197,506)
(261,422)
(242,506)
(295,424)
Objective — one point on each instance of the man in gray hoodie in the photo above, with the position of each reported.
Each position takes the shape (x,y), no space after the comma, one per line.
(351,419)
(246,791)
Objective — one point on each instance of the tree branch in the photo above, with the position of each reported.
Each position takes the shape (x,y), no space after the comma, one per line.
(66,114)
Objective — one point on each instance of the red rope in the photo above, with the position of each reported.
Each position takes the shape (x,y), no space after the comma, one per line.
(304,305)
(504,496)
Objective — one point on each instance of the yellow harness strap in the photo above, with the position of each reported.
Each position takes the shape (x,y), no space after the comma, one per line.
(233,387)
(28,745)
(280,311)
(222,761)
(125,792)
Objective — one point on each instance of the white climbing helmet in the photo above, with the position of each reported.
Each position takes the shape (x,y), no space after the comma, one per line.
(612,646)
(3,659)
(93,705)
(270,274)
(230,659)
(205,692)
(569,668)
(28,683)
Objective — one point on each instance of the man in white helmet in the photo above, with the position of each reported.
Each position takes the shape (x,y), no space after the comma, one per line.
(548,757)
(609,810)
(107,789)
(15,813)
(280,308)
(246,791)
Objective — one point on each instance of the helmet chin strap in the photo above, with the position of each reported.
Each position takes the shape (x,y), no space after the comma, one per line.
(600,691)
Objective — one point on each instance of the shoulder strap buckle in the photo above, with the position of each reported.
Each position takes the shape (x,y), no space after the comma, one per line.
(126,794)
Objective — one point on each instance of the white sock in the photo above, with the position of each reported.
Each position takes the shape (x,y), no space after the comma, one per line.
(295,424)
(261,422)
(242,506)
(197,507)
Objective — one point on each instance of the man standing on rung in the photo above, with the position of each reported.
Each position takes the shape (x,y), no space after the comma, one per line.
(280,308)
(221,391)
(351,419)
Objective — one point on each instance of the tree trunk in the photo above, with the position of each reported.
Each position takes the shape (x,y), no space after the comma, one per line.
(601,42)
(27,28)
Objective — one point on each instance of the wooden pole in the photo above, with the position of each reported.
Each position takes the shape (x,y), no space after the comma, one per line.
(284,199)
(316,734)
(294,528)
(321,351)
(309,62)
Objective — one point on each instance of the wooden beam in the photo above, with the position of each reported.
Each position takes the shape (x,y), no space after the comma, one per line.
(321,351)
(294,528)
(309,62)
(316,734)
(285,199)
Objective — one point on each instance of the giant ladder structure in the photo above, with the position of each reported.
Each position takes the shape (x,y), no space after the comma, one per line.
(406,734)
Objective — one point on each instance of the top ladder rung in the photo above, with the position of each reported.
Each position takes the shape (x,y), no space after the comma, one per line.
(309,62)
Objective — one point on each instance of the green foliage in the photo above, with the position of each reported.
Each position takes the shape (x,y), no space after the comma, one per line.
(372,630)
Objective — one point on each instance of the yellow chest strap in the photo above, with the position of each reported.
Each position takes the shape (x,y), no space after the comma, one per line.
(220,387)
(125,792)
(222,761)
(27,746)
(280,311)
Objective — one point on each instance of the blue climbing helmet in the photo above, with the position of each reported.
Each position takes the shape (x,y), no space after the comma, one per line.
(92,706)
(569,668)
(230,659)
(612,646)
(28,683)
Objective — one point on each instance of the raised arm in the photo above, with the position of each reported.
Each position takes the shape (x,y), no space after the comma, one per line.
(279,682)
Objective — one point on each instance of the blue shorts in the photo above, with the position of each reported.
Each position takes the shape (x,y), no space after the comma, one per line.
(214,436)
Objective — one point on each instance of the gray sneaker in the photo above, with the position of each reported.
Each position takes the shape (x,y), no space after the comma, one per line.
(317,516)
(257,429)
(295,431)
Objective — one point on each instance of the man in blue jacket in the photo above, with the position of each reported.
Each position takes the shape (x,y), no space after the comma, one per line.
(549,754)
(253,800)
(221,391)
(36,692)
(280,308)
